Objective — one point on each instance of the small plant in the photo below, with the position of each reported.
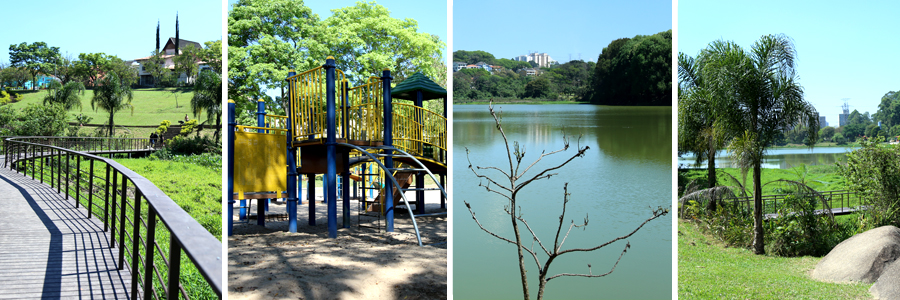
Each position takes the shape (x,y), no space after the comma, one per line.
(188,127)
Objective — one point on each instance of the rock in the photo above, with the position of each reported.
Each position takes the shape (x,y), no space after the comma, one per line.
(888,285)
(861,258)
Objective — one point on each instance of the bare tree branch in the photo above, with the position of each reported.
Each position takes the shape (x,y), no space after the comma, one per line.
(590,273)
(659,212)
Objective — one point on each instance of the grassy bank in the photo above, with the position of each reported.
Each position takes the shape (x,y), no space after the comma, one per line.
(151,106)
(820,177)
(707,270)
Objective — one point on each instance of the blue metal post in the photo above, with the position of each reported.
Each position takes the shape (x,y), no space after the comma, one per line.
(420,176)
(311,192)
(388,161)
(330,148)
(345,174)
(291,165)
(231,137)
(260,206)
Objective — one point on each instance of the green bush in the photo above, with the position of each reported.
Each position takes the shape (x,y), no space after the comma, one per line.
(181,145)
(188,127)
(799,231)
(873,172)
(163,127)
(33,120)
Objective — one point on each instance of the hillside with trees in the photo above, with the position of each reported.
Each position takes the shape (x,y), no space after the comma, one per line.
(630,71)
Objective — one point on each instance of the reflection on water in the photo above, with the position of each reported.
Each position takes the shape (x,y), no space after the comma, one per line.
(779,158)
(625,173)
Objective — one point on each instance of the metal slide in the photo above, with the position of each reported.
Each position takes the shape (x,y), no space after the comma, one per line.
(390,171)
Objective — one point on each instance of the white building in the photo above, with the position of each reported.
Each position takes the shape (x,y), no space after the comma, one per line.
(542,59)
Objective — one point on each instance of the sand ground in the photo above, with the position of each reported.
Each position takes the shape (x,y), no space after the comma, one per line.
(361,263)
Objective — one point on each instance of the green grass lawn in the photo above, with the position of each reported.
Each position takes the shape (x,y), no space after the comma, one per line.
(828,176)
(707,270)
(151,106)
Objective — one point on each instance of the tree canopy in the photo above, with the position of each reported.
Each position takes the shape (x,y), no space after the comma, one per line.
(635,71)
(268,38)
(36,57)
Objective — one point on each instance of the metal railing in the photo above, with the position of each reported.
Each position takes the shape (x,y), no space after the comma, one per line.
(130,207)
(842,201)
(95,144)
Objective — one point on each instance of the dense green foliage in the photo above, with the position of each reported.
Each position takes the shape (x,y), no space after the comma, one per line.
(112,96)
(68,95)
(36,57)
(566,81)
(267,38)
(874,171)
(33,120)
(208,99)
(635,71)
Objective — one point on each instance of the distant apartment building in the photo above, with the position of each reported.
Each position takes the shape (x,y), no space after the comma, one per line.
(458,65)
(542,59)
(822,122)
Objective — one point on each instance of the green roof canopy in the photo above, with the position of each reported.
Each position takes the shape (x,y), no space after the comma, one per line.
(418,82)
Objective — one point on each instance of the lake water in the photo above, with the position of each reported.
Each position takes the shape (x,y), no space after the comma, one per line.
(626,171)
(779,158)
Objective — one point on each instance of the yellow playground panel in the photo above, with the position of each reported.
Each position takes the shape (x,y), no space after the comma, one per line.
(260,162)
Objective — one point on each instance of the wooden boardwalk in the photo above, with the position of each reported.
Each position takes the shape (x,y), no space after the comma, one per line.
(50,250)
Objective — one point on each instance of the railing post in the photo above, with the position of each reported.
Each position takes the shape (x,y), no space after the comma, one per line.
(43,162)
(106,207)
(33,161)
(261,204)
(330,148)
(389,142)
(122,205)
(78,182)
(68,171)
(135,242)
(148,250)
(174,267)
(230,148)
(91,189)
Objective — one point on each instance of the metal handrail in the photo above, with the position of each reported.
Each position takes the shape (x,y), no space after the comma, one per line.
(185,233)
(841,197)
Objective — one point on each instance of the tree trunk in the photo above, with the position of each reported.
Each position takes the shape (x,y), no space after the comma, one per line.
(758,241)
(711,176)
(110,124)
(519,249)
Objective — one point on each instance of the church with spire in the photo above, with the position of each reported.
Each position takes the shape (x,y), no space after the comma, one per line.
(173,47)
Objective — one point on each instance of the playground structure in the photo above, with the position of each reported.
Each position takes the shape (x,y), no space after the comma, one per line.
(335,128)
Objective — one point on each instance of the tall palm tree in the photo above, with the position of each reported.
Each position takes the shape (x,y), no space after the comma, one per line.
(208,98)
(697,130)
(757,95)
(112,96)
(67,95)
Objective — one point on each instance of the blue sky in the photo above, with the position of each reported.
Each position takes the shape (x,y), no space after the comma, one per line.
(845,49)
(126,29)
(509,28)
(430,15)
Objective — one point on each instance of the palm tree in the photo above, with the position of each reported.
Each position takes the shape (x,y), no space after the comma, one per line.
(208,98)
(66,95)
(112,96)
(757,95)
(697,130)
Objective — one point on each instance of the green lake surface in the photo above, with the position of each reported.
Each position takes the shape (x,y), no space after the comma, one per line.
(625,174)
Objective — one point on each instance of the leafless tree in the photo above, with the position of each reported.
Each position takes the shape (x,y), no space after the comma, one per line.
(509,191)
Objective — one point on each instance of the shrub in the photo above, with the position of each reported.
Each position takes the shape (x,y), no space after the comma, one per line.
(188,127)
(799,231)
(34,120)
(163,127)
(873,172)
(181,145)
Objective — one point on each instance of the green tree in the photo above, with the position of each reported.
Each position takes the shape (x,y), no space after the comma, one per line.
(874,171)
(186,63)
(91,65)
(538,88)
(66,95)
(826,133)
(757,95)
(112,96)
(208,98)
(267,38)
(889,109)
(156,66)
(853,131)
(473,57)
(67,69)
(36,57)
(636,71)
(33,120)
(212,55)
(697,129)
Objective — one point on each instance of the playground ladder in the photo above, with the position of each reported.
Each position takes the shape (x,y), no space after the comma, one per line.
(390,171)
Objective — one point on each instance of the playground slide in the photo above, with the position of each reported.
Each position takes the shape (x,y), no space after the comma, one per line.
(404,179)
